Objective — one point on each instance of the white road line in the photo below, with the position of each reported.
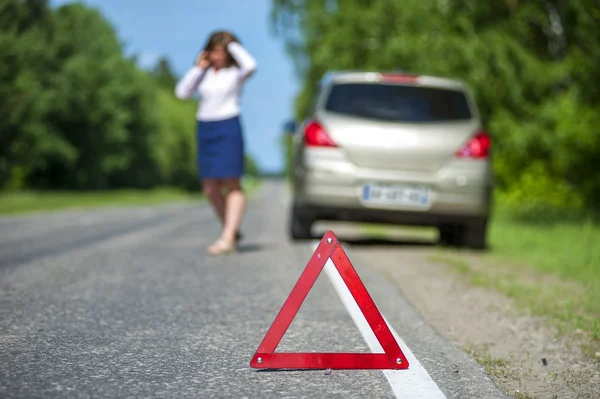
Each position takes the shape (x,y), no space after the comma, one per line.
(413,382)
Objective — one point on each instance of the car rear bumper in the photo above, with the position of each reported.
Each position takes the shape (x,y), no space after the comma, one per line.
(389,216)
(457,195)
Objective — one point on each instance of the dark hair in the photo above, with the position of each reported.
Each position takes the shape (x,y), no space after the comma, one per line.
(222,38)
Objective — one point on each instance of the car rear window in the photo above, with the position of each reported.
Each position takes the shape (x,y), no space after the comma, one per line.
(392,102)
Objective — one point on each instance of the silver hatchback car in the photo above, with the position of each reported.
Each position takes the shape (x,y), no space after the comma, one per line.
(393,148)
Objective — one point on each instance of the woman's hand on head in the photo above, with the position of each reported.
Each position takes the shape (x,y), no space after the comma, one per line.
(203,61)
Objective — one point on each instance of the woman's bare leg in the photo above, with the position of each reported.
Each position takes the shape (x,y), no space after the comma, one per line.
(235,204)
(212,188)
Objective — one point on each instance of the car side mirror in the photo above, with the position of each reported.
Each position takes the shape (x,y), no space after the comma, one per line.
(290,127)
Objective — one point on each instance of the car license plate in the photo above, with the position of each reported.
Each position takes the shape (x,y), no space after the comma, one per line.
(399,195)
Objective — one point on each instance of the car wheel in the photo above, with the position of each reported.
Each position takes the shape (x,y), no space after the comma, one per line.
(475,235)
(450,236)
(299,225)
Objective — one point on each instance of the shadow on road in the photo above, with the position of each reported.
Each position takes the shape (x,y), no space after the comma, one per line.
(380,242)
(366,241)
(288,370)
(255,247)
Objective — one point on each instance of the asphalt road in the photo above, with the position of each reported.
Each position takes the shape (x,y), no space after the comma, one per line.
(124,303)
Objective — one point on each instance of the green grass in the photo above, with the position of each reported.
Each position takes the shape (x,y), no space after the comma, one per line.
(374,231)
(377,232)
(21,202)
(566,250)
(497,367)
(550,268)
(549,265)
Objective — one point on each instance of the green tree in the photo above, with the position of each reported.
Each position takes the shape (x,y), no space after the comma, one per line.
(531,65)
(76,113)
(25,52)
(177,149)
(163,73)
(95,94)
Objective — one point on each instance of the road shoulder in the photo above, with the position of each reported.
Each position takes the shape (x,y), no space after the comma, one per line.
(521,352)
(456,373)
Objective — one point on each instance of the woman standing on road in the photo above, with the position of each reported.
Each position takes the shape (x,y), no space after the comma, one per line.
(218,76)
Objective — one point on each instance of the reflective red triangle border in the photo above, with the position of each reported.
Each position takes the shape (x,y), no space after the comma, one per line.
(266,357)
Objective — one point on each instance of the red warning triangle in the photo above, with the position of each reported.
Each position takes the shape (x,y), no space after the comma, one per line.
(266,357)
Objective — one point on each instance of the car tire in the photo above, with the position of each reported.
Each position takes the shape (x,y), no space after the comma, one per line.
(450,236)
(300,224)
(472,236)
(475,235)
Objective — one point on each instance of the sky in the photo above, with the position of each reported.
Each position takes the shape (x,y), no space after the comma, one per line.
(178,29)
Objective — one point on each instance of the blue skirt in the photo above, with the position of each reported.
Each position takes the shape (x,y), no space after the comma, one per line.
(220,149)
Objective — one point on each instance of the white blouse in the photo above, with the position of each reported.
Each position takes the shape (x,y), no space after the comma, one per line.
(219,90)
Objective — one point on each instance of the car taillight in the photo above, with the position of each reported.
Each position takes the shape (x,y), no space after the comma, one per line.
(477,147)
(398,78)
(316,136)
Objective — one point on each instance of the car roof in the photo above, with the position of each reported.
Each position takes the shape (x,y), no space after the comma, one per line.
(396,76)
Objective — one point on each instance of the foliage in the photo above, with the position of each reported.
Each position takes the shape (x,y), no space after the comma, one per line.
(533,67)
(76,113)
(163,73)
